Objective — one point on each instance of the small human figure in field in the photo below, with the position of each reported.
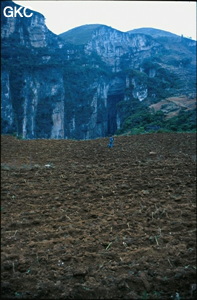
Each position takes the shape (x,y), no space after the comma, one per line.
(111,142)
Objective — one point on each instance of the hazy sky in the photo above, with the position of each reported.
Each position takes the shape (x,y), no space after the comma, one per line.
(178,17)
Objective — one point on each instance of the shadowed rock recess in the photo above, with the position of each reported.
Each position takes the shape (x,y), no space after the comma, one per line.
(82,221)
(86,82)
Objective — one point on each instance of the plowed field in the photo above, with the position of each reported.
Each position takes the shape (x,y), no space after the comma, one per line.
(82,221)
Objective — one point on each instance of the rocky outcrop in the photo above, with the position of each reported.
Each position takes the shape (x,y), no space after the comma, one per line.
(140,90)
(27,31)
(43,105)
(113,45)
(83,86)
(36,110)
(7,112)
(88,119)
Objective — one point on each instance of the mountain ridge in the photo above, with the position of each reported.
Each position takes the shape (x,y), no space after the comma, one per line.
(154,32)
(88,86)
(73,35)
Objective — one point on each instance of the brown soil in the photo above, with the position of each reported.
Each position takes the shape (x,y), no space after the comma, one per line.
(82,221)
(173,105)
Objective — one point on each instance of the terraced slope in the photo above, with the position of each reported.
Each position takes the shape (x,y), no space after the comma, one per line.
(82,221)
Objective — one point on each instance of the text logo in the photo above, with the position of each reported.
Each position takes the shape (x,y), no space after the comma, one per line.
(14,12)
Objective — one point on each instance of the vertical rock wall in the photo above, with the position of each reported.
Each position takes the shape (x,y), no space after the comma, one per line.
(7,113)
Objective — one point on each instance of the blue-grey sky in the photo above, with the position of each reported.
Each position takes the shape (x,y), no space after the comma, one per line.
(178,17)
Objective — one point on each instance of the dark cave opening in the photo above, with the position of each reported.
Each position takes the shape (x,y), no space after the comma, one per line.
(112,101)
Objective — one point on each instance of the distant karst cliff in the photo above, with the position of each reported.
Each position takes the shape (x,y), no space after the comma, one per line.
(86,82)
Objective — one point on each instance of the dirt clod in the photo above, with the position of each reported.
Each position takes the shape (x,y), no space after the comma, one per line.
(81,221)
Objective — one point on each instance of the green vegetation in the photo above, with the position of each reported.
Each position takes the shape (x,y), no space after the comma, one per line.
(79,35)
(163,73)
(149,122)
(162,85)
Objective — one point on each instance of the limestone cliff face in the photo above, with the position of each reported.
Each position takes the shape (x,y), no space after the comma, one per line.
(88,119)
(114,46)
(7,112)
(140,90)
(27,31)
(32,97)
(85,85)
(43,105)
(37,110)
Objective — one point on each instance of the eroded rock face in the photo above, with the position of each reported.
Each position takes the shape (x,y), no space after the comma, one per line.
(8,27)
(89,119)
(38,32)
(7,113)
(140,90)
(43,105)
(53,89)
(27,31)
(112,45)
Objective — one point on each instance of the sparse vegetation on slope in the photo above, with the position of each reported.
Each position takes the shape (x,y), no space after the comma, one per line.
(79,35)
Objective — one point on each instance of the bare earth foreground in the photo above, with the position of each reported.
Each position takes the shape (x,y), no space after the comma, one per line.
(82,221)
